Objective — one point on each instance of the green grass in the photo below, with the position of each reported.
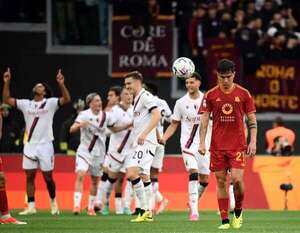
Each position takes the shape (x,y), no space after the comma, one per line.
(173,222)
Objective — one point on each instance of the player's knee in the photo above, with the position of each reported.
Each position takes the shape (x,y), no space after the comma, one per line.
(236,180)
(221,182)
(154,172)
(193,177)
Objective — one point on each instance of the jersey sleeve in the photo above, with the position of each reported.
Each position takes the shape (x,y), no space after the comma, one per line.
(81,118)
(168,112)
(249,106)
(205,105)
(149,102)
(111,118)
(22,104)
(53,103)
(176,112)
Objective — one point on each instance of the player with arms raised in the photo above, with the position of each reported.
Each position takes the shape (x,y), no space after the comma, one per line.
(228,103)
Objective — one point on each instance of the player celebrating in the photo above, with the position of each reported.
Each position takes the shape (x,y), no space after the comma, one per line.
(120,146)
(228,103)
(145,119)
(186,111)
(38,151)
(91,151)
(5,217)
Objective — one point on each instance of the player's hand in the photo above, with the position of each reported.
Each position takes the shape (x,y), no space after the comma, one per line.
(202,149)
(60,77)
(162,141)
(141,139)
(251,149)
(7,75)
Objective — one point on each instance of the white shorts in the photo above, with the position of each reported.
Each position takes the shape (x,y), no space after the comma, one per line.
(38,156)
(142,157)
(158,157)
(95,168)
(115,163)
(194,160)
(106,158)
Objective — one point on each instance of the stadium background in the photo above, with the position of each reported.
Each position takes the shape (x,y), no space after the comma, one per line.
(32,47)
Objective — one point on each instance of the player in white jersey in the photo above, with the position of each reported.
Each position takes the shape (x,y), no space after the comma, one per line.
(38,150)
(120,146)
(157,163)
(186,112)
(145,119)
(91,151)
(113,98)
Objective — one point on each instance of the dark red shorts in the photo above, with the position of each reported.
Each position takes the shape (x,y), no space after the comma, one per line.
(1,167)
(222,160)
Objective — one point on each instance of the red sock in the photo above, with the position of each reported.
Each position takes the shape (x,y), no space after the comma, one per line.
(3,202)
(223,207)
(239,197)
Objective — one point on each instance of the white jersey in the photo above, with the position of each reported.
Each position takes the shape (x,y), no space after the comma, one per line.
(38,118)
(121,142)
(165,113)
(92,137)
(144,102)
(186,110)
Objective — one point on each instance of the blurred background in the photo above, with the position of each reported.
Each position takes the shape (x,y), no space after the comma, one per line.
(95,42)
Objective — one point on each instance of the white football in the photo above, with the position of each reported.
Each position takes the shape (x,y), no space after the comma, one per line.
(183,67)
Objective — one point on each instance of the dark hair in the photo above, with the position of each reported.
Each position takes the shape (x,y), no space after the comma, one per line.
(196,75)
(152,88)
(225,66)
(278,120)
(116,89)
(135,75)
(47,90)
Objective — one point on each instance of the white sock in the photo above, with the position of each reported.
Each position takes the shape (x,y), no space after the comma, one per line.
(158,196)
(53,201)
(118,204)
(31,205)
(91,202)
(100,193)
(140,193)
(137,202)
(107,189)
(77,199)
(128,195)
(149,196)
(231,197)
(201,189)
(193,196)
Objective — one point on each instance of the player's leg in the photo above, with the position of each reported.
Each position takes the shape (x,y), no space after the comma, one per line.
(51,187)
(191,166)
(118,193)
(93,193)
(100,191)
(81,169)
(231,195)
(203,168)
(128,195)
(238,189)
(5,217)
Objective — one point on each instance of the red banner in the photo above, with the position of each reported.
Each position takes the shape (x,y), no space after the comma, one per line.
(152,55)
(218,49)
(275,86)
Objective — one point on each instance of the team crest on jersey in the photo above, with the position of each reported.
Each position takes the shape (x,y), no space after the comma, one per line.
(227,109)
(218,99)
(237,99)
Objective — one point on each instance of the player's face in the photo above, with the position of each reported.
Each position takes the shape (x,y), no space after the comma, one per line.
(126,97)
(96,103)
(112,98)
(131,85)
(192,85)
(226,79)
(39,90)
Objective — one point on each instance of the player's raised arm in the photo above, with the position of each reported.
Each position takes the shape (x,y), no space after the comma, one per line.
(119,128)
(170,131)
(66,98)
(203,131)
(6,89)
(252,125)
(155,117)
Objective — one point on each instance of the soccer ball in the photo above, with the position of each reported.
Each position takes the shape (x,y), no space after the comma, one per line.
(183,67)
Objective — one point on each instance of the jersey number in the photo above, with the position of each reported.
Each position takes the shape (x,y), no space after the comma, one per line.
(138,154)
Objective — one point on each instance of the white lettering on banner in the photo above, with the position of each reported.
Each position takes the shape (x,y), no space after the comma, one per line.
(155,31)
(143,46)
(153,61)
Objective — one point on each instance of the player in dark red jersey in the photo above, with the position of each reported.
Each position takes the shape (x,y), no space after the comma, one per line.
(228,103)
(5,217)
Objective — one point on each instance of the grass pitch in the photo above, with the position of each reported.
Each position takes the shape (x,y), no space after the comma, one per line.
(173,222)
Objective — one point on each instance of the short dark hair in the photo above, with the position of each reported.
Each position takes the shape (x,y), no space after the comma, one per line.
(47,90)
(196,75)
(225,66)
(135,75)
(116,89)
(278,120)
(152,88)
